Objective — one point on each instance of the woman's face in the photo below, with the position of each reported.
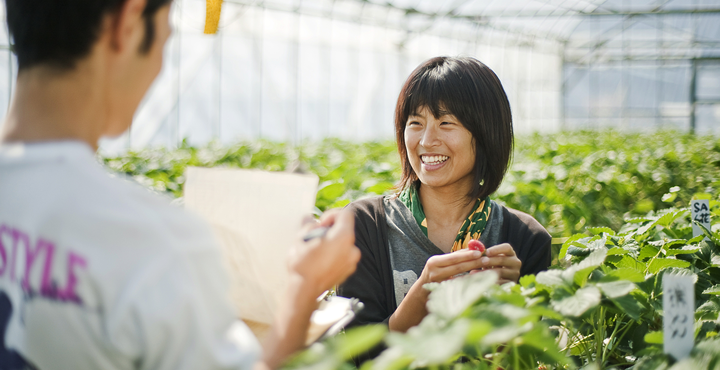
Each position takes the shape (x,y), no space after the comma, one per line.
(441,151)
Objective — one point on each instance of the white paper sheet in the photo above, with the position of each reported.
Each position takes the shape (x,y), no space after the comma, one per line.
(256,216)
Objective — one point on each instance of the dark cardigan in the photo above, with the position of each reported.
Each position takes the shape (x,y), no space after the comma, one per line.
(372,282)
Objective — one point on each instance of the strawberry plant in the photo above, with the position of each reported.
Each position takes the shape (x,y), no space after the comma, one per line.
(601,307)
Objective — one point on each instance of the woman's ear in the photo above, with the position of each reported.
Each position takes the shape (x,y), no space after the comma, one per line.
(127,26)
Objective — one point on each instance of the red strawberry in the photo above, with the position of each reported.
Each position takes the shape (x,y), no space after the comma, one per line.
(476,245)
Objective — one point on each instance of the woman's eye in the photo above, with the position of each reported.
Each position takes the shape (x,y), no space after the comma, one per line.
(411,123)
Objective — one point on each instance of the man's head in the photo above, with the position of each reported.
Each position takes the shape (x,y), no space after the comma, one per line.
(58,33)
(105,53)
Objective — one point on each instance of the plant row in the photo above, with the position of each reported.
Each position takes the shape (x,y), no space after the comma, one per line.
(567,181)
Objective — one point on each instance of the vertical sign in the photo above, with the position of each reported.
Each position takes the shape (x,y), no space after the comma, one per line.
(701,214)
(679,315)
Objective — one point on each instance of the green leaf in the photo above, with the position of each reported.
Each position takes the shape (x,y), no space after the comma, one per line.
(654,337)
(390,359)
(714,290)
(714,260)
(637,220)
(551,278)
(669,217)
(577,304)
(708,311)
(381,187)
(654,362)
(359,339)
(431,342)
(631,263)
(331,191)
(628,274)
(669,197)
(452,297)
(568,242)
(578,273)
(599,230)
(664,221)
(540,339)
(660,264)
(617,251)
(630,305)
(505,334)
(648,251)
(644,205)
(616,289)
(526,280)
(688,249)
(478,329)
(667,243)
(339,203)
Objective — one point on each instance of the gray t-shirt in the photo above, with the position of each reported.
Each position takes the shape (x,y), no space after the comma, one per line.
(410,248)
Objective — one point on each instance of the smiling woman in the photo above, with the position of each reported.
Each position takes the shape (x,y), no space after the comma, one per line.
(454,134)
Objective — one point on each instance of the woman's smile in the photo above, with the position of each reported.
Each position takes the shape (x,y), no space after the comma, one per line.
(432,162)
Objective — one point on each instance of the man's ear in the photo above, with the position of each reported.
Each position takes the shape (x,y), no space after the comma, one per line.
(127,26)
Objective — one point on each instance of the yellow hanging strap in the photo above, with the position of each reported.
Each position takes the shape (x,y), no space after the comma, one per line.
(212,16)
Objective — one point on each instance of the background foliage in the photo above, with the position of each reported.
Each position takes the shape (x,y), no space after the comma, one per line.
(567,181)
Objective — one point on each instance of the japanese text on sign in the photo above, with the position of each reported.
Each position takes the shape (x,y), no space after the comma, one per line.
(679,319)
(700,214)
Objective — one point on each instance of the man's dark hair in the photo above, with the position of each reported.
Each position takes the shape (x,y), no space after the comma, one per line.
(470,91)
(60,32)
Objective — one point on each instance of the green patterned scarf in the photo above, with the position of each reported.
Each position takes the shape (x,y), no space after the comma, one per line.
(472,228)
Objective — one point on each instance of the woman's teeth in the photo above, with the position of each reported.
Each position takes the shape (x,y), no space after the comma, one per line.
(434,159)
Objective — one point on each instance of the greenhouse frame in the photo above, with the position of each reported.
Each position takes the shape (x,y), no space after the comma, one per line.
(294,70)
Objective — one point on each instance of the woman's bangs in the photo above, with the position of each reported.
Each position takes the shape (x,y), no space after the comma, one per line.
(433,90)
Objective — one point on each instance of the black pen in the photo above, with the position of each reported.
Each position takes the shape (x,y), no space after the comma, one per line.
(317,232)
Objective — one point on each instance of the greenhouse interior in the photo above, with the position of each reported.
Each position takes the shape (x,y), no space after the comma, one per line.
(307,69)
(616,154)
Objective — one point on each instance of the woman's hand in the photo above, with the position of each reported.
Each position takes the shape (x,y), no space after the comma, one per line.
(444,266)
(438,268)
(502,259)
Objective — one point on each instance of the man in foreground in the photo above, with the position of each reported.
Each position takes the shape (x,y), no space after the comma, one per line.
(97,273)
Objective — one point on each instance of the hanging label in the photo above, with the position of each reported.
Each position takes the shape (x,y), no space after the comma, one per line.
(701,214)
(679,315)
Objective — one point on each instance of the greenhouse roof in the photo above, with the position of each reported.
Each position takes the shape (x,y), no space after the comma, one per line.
(586,31)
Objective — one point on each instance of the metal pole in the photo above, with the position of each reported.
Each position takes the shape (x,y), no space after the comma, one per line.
(693,96)
(178,61)
(563,90)
(297,135)
(260,58)
(10,73)
(218,54)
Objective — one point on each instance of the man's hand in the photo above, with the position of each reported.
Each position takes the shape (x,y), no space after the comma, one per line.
(328,260)
(315,266)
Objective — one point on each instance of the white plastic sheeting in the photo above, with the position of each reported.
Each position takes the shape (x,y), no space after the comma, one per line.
(293,70)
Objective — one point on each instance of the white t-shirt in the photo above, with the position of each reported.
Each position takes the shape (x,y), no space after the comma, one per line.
(99,273)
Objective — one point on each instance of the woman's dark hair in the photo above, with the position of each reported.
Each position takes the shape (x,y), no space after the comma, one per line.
(60,32)
(470,91)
